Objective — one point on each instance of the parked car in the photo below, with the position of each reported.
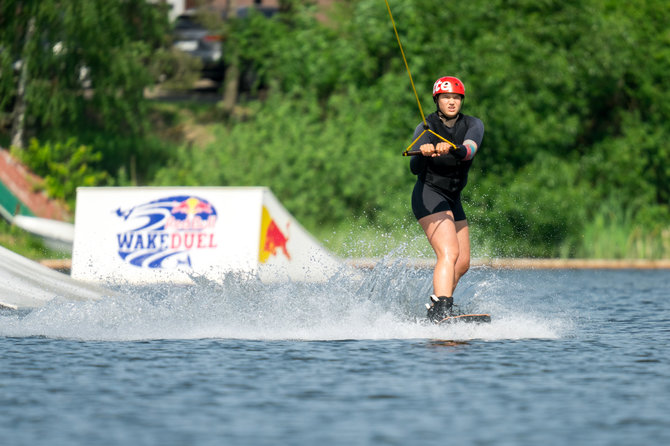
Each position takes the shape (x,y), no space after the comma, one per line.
(193,38)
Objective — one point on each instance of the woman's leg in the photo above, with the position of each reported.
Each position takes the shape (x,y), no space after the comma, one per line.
(441,232)
(463,262)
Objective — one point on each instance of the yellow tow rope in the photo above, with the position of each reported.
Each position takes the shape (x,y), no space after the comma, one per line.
(423,117)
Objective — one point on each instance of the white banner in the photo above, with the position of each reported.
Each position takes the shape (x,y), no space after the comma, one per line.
(151,234)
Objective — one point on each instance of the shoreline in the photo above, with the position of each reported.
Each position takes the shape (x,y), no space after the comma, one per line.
(531,263)
(64,265)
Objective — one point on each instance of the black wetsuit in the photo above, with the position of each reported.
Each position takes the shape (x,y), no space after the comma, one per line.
(441,179)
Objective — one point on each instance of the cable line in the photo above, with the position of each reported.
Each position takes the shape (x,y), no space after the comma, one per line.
(409,73)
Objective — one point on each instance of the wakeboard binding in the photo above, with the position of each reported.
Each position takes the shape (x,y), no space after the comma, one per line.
(440,308)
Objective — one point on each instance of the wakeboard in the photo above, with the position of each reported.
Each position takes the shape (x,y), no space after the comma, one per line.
(472,318)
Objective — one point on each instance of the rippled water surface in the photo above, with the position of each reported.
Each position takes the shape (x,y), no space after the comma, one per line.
(571,357)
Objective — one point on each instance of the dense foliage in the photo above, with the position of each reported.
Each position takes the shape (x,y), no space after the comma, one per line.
(87,64)
(574,95)
(66,166)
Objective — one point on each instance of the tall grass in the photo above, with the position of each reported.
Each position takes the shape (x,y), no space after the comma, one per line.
(19,241)
(614,234)
(359,239)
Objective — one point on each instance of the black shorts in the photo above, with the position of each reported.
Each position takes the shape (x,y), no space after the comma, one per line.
(427,200)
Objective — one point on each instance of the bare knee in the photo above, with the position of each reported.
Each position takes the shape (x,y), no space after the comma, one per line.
(451,258)
(462,266)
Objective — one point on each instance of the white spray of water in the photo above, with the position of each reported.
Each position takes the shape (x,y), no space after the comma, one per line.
(386,302)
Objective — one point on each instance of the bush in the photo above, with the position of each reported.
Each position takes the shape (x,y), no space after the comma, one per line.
(64,167)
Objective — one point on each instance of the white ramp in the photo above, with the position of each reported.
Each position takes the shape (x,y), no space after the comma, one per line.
(57,235)
(144,235)
(25,284)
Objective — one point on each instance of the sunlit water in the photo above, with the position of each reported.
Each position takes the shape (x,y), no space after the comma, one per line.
(571,357)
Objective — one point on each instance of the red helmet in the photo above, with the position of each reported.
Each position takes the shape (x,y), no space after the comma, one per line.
(448,84)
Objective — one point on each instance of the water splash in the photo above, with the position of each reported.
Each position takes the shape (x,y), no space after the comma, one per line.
(386,302)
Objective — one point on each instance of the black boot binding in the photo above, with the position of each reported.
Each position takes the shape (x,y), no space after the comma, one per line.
(441,308)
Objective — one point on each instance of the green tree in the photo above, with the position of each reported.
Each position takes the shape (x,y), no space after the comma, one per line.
(564,89)
(86,66)
(64,167)
(574,95)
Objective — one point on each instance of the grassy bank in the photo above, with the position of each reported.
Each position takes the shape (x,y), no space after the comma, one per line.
(17,240)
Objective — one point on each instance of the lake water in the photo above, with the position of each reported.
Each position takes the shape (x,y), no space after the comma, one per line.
(578,357)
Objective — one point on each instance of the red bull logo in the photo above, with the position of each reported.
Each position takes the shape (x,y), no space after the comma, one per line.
(191,213)
(165,233)
(273,240)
